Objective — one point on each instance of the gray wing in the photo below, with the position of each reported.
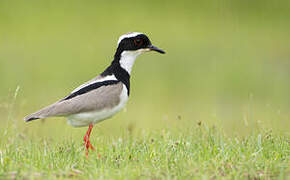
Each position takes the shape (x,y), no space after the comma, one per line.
(94,100)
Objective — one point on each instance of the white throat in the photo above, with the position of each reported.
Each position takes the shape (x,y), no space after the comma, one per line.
(128,58)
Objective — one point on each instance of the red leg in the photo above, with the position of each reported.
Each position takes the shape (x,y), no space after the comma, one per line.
(87,143)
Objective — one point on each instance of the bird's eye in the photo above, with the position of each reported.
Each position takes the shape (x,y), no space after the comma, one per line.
(138,42)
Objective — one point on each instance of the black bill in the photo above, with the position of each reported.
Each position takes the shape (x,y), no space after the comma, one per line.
(153,48)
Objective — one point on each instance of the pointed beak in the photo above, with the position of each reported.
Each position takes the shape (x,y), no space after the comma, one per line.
(153,48)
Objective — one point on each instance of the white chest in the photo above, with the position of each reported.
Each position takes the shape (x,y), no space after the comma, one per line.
(84,119)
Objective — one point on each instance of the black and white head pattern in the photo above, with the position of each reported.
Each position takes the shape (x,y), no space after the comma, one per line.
(132,42)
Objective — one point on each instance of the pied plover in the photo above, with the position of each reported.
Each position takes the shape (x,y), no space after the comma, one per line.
(106,94)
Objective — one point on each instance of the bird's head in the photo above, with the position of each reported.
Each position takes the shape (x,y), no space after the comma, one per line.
(130,46)
(136,42)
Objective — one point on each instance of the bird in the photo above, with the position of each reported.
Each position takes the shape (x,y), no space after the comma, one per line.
(103,96)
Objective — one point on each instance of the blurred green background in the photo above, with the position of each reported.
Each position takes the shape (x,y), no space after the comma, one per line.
(227,62)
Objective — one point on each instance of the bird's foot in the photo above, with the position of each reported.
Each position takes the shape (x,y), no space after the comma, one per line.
(88,146)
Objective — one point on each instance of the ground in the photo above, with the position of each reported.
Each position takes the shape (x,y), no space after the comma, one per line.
(200,152)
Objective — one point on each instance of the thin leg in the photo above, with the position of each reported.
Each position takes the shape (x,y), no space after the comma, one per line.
(87,143)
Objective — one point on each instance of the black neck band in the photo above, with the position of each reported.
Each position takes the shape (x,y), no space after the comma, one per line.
(120,73)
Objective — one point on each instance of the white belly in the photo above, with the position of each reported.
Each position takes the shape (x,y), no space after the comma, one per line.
(87,118)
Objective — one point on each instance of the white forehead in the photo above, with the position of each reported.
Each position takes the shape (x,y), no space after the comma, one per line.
(128,35)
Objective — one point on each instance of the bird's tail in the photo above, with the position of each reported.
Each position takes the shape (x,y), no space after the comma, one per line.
(41,114)
(30,118)
(48,111)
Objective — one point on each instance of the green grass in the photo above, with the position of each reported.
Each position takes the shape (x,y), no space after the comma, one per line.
(195,153)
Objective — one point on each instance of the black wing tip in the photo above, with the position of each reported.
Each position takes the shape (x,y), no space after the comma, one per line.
(30,119)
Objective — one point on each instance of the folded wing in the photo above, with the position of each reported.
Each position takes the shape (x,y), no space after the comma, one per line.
(93,96)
